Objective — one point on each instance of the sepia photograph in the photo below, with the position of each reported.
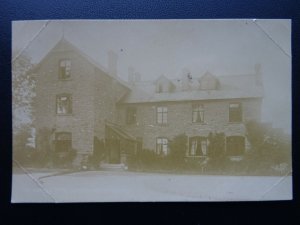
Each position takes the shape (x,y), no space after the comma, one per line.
(170,110)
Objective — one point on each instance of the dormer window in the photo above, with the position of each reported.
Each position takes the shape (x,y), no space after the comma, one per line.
(164,85)
(209,82)
(64,69)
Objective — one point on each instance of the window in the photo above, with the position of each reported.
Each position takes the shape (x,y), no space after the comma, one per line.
(162,115)
(204,147)
(162,146)
(235,112)
(63,141)
(198,113)
(131,115)
(64,69)
(63,104)
(198,146)
(193,150)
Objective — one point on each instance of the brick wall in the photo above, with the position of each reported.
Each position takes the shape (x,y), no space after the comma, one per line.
(107,93)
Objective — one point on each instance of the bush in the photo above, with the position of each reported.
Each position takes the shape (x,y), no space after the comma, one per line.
(149,160)
(62,159)
(269,148)
(21,152)
(216,152)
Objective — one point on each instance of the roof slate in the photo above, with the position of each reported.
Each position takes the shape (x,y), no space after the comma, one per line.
(231,87)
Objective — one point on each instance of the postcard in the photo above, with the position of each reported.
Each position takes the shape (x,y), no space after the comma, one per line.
(151,110)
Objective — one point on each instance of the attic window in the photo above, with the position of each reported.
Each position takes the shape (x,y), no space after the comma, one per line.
(64,69)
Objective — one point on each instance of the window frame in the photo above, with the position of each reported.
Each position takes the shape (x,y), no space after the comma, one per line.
(70,107)
(61,74)
(162,115)
(131,115)
(196,146)
(198,108)
(164,142)
(238,112)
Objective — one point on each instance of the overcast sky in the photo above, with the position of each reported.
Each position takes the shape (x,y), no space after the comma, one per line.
(155,47)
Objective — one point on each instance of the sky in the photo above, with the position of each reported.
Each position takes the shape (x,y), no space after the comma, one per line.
(156,47)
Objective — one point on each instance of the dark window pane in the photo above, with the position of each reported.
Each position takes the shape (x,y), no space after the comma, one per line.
(131,115)
(235,112)
(63,104)
(65,69)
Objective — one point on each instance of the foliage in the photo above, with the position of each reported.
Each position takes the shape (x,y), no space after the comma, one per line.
(44,155)
(269,147)
(21,152)
(63,159)
(178,148)
(148,160)
(216,151)
(23,84)
(98,153)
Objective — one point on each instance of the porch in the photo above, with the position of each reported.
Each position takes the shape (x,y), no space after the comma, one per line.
(119,144)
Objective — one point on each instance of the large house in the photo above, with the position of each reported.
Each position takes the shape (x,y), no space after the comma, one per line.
(86,107)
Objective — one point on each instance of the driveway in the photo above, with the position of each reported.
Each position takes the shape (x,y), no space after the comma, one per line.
(106,186)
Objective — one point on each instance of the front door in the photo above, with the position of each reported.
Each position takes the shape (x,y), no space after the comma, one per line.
(114,156)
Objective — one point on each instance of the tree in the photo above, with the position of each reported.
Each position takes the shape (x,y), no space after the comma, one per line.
(21,151)
(23,85)
(269,146)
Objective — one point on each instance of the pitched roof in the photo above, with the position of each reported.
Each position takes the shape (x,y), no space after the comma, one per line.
(231,87)
(119,131)
(64,45)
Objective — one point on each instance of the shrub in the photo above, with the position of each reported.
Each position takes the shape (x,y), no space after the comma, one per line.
(178,148)
(21,152)
(269,148)
(216,151)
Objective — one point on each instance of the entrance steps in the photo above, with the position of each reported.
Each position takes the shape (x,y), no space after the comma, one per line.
(113,167)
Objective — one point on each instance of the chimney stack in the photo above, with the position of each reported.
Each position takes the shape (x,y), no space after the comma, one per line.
(112,63)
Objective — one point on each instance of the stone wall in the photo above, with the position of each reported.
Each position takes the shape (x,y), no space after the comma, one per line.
(216,119)
(80,86)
